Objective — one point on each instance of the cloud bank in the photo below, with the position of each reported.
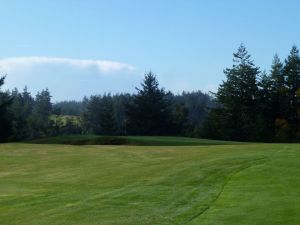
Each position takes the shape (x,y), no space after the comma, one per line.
(102,66)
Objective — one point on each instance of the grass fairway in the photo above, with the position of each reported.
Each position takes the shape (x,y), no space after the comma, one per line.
(135,185)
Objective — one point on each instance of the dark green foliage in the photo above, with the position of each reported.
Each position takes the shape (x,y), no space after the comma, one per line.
(197,105)
(91,116)
(258,106)
(107,115)
(150,111)
(238,97)
(5,116)
(278,88)
(107,119)
(21,109)
(120,101)
(116,114)
(39,120)
(214,125)
(99,117)
(186,113)
(264,115)
(292,73)
(279,100)
(180,120)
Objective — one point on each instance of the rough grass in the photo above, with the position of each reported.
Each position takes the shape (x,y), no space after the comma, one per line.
(127,140)
(134,185)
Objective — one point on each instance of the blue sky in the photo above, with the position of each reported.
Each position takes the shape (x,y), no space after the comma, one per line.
(83,47)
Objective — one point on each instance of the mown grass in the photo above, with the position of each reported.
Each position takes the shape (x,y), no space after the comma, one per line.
(128,140)
(134,185)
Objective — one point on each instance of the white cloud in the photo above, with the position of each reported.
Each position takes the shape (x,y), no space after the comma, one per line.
(103,66)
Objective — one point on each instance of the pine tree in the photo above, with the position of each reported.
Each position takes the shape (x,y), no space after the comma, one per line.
(91,117)
(292,73)
(279,100)
(5,116)
(120,101)
(277,76)
(107,120)
(278,87)
(21,110)
(150,112)
(265,113)
(238,96)
(180,123)
(39,121)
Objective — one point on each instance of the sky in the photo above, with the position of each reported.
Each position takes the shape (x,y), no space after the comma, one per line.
(77,48)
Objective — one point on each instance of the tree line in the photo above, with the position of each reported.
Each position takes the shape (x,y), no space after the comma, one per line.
(249,105)
(151,111)
(23,116)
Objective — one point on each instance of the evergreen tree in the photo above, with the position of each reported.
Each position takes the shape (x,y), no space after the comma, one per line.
(180,120)
(277,76)
(91,117)
(107,120)
(120,101)
(265,115)
(292,73)
(21,109)
(279,100)
(150,112)
(5,116)
(238,98)
(197,105)
(39,121)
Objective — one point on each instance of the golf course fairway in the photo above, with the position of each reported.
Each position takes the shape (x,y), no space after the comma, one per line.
(44,184)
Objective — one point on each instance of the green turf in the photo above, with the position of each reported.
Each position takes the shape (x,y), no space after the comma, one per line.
(128,140)
(135,185)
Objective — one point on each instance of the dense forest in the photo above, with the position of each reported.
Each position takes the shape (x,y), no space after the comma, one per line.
(151,111)
(249,105)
